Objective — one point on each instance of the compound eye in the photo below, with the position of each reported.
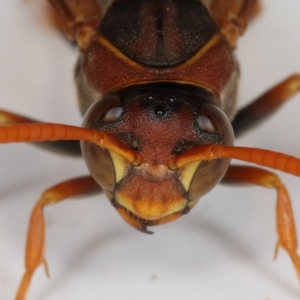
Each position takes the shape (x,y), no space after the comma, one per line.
(205,124)
(113,114)
(214,123)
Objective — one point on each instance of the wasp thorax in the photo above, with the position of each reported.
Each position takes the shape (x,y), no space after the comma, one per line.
(159,125)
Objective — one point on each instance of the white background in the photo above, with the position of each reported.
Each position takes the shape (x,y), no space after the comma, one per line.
(222,250)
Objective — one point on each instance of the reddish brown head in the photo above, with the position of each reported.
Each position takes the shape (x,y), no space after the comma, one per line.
(159,121)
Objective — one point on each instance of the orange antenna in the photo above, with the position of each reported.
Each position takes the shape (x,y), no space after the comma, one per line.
(274,160)
(38,132)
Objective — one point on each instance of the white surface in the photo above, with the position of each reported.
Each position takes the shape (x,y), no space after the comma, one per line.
(222,250)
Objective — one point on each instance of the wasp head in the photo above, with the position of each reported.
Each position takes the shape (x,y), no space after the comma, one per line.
(159,121)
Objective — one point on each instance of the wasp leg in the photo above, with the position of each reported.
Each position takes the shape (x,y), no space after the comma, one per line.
(77,19)
(286,229)
(233,16)
(36,232)
(61,147)
(265,105)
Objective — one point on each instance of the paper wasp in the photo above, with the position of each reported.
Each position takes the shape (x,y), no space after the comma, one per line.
(191,214)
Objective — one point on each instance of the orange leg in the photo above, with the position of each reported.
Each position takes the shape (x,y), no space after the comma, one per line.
(77,19)
(8,118)
(36,232)
(286,229)
(233,16)
(264,106)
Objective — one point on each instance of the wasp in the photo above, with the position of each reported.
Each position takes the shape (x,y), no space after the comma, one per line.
(158,93)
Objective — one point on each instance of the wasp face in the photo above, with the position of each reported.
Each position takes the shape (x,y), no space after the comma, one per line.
(160,124)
